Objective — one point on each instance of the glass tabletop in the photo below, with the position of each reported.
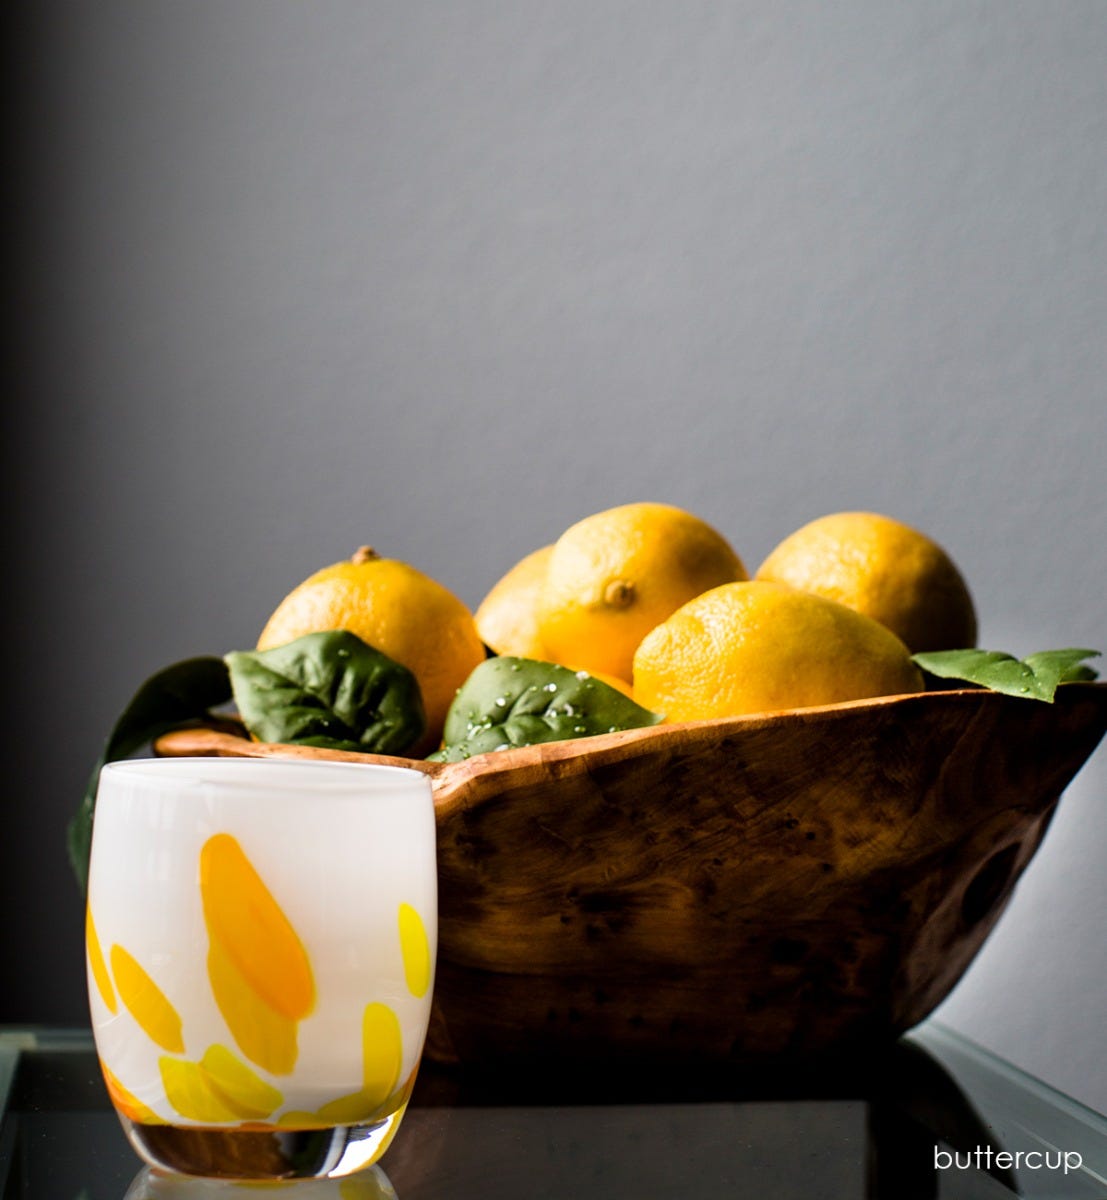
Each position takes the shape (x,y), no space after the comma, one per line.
(938,1118)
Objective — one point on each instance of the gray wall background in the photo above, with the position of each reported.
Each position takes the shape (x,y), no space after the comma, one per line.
(447,277)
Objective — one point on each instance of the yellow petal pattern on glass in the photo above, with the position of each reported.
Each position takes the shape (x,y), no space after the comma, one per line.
(381,1050)
(252,1098)
(298,1119)
(218,1089)
(146,1002)
(416,951)
(264,1036)
(263,984)
(354,1109)
(97,964)
(379,1097)
(188,1088)
(242,915)
(381,1053)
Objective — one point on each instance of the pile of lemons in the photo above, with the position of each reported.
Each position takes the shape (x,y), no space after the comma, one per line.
(656,602)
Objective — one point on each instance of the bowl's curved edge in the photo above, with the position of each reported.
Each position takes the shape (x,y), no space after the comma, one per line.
(1085,703)
(202,741)
(460,785)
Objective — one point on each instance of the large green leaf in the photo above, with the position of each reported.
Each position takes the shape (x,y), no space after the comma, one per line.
(510,702)
(328,689)
(1035,677)
(175,696)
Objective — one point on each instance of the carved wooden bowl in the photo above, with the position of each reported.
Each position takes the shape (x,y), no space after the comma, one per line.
(733,893)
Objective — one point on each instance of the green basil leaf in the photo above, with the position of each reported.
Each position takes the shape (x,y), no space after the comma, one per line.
(177,695)
(1054,667)
(509,702)
(328,689)
(1035,677)
(1079,674)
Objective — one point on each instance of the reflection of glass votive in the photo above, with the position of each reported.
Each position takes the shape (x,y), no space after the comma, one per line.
(149,1184)
(261,942)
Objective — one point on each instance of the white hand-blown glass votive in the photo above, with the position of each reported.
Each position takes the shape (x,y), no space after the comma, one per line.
(261,939)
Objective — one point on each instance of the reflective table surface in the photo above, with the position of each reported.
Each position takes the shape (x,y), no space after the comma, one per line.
(936,1117)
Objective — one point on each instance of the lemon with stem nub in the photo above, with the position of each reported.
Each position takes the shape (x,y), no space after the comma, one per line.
(398,610)
(615,575)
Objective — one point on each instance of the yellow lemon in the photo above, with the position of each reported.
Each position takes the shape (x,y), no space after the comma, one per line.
(759,647)
(615,575)
(881,568)
(507,618)
(399,610)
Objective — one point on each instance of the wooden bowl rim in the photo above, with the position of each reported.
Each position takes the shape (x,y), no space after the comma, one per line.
(450,778)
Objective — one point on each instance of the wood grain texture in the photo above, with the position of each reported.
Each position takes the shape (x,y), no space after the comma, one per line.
(737,892)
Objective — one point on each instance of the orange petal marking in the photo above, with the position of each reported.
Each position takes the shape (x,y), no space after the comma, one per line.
(97,964)
(146,1002)
(250,926)
(264,1036)
(127,1103)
